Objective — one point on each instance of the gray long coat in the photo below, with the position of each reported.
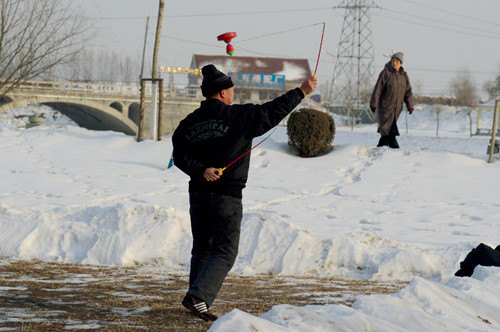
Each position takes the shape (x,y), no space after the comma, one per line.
(391,90)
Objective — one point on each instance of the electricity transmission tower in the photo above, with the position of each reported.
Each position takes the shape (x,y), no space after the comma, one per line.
(355,55)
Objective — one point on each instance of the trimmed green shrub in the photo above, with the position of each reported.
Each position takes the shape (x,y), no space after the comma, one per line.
(310,132)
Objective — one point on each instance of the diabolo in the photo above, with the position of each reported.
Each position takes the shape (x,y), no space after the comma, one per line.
(227,38)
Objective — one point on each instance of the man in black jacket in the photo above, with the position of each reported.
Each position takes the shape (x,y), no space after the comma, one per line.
(481,255)
(207,140)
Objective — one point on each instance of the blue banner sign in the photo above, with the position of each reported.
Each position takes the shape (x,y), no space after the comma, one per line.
(258,80)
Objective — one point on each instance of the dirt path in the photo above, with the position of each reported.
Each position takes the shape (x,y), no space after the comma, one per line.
(36,296)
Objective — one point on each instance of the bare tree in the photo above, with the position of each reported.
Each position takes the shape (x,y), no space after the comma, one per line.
(492,86)
(108,66)
(489,87)
(464,88)
(81,68)
(130,69)
(35,37)
(101,66)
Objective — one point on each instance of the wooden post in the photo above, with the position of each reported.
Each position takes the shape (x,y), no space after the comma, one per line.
(141,111)
(160,107)
(154,102)
(157,39)
(478,130)
(498,121)
(144,47)
(494,131)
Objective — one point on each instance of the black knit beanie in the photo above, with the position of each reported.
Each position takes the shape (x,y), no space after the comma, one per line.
(399,56)
(214,81)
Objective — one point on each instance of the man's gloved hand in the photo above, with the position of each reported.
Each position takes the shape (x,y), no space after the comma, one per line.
(410,110)
(373,108)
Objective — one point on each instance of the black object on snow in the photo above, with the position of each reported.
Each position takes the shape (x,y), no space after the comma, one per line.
(481,255)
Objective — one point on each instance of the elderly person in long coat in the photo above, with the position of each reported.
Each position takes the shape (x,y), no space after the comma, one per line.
(392,89)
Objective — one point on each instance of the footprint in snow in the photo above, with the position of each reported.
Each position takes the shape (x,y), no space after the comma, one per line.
(262,164)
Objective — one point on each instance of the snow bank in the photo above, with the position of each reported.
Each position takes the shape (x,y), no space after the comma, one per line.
(127,235)
(118,234)
(463,304)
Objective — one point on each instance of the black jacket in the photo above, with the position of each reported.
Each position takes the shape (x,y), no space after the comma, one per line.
(481,255)
(216,134)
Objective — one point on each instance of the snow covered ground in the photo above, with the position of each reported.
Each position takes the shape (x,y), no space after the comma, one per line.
(73,195)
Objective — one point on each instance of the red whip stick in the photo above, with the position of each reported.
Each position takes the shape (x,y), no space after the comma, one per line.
(320,46)
(256,145)
(224,168)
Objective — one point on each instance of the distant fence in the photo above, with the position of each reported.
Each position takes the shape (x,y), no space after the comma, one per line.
(118,88)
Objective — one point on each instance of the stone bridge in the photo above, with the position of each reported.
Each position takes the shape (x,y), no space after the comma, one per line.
(97,106)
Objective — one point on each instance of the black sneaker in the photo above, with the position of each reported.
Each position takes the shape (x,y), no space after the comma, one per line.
(198,308)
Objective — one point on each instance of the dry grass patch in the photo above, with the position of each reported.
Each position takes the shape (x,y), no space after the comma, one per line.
(36,296)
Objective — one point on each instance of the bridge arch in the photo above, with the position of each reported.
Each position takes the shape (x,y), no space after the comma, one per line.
(134,113)
(86,113)
(117,106)
(5,100)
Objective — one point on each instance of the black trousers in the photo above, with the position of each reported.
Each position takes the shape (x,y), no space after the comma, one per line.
(215,225)
(481,255)
(390,139)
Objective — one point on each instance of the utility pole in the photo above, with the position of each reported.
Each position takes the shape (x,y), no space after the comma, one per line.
(355,55)
(155,113)
(144,48)
(143,87)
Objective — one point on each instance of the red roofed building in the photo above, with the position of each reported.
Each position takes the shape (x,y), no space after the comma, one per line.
(256,79)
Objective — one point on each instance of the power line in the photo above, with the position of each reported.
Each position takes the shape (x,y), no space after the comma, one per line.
(119,18)
(433,70)
(446,23)
(218,47)
(438,27)
(451,13)
(189,41)
(279,32)
(278,11)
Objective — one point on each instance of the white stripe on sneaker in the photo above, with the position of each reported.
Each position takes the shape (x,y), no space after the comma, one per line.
(201,307)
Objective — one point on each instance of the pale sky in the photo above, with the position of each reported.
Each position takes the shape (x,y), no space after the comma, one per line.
(439,38)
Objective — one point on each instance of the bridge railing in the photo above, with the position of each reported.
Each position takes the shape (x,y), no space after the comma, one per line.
(131,89)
